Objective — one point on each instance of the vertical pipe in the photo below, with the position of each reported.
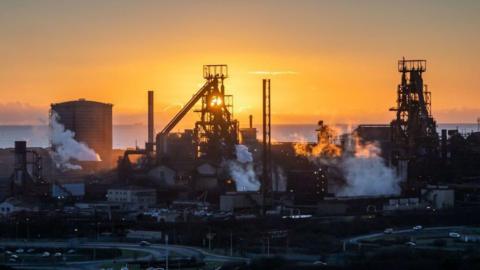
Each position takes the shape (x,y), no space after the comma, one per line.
(264,142)
(269,145)
(150,117)
(250,118)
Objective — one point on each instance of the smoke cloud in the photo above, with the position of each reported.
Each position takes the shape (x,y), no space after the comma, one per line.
(242,170)
(361,165)
(366,173)
(279,179)
(66,148)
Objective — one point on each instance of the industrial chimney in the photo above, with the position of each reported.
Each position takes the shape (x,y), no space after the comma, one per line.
(150,117)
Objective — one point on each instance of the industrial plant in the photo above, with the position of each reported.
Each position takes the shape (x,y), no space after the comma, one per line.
(228,189)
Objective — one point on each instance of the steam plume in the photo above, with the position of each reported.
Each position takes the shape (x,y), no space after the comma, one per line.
(66,148)
(242,170)
(364,170)
(366,173)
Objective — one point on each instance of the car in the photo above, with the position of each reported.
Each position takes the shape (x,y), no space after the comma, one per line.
(14,256)
(71,251)
(418,227)
(388,231)
(454,235)
(12,260)
(20,250)
(144,243)
(319,263)
(30,250)
(57,254)
(411,244)
(8,252)
(45,254)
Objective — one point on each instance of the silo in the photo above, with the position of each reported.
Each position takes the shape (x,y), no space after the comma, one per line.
(91,122)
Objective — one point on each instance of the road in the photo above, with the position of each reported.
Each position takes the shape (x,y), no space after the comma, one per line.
(155,251)
(431,230)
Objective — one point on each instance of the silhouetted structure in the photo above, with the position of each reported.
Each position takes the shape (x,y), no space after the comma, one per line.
(91,122)
(414,135)
(267,140)
(216,133)
(27,172)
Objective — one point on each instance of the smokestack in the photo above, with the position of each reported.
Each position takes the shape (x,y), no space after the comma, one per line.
(150,117)
(267,144)
(250,118)
(20,155)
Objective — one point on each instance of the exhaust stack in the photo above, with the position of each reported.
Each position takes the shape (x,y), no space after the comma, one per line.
(151,130)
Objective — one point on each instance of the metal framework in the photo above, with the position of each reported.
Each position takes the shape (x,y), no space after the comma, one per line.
(414,134)
(267,139)
(216,133)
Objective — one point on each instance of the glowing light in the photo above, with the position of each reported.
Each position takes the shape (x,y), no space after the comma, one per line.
(216,101)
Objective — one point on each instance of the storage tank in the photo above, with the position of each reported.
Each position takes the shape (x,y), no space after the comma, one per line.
(91,122)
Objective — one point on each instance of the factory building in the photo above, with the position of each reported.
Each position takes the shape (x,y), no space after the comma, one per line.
(133,198)
(91,122)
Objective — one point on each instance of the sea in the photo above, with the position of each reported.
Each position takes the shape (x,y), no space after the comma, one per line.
(128,136)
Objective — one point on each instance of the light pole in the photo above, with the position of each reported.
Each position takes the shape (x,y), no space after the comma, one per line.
(166,256)
(231,243)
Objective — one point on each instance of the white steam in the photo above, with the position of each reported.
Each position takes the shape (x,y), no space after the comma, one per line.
(242,170)
(242,153)
(279,179)
(66,148)
(367,175)
(361,165)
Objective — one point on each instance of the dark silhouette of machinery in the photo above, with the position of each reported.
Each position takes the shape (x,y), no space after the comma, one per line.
(27,171)
(216,133)
(414,135)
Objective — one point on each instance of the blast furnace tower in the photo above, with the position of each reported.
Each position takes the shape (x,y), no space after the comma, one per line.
(216,133)
(414,135)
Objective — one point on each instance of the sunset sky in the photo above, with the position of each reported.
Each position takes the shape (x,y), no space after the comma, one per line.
(332,60)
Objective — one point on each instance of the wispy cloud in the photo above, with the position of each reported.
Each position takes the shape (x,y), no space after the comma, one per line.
(172,106)
(19,113)
(273,73)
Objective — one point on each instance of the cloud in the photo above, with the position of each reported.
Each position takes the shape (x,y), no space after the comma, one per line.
(273,73)
(18,113)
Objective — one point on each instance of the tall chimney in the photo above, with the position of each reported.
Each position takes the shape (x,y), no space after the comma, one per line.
(250,118)
(150,117)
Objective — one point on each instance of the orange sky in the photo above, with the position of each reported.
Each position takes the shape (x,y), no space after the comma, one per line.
(333,60)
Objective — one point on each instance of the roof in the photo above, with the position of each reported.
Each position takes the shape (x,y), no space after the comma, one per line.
(80,101)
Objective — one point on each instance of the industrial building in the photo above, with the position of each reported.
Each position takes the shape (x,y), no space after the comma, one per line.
(193,165)
(91,122)
(132,197)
